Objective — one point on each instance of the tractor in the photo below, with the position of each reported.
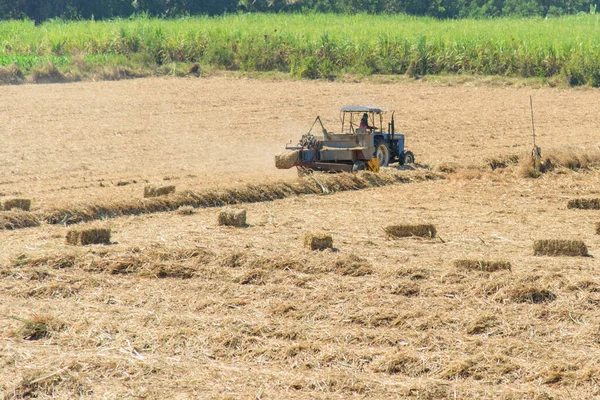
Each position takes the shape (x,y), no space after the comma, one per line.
(361,145)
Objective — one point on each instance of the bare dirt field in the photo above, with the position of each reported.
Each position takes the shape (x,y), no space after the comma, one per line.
(179,307)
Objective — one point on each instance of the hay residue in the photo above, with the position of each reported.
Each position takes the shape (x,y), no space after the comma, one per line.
(420,230)
(287,159)
(21,204)
(482,265)
(529,294)
(232,217)
(584,204)
(318,241)
(571,248)
(84,237)
(352,265)
(157,191)
(17,219)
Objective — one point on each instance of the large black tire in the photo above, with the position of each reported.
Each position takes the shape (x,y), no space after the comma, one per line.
(359,166)
(382,152)
(408,158)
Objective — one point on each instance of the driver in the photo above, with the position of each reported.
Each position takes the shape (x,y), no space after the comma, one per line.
(364,122)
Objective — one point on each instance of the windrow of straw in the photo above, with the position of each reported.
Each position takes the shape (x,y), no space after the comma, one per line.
(584,204)
(571,248)
(315,184)
(164,262)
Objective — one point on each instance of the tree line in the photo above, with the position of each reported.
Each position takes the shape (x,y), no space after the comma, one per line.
(40,10)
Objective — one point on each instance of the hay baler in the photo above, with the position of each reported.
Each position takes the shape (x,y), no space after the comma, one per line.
(356,148)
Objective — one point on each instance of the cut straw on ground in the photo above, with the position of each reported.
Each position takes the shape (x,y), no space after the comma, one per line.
(482,265)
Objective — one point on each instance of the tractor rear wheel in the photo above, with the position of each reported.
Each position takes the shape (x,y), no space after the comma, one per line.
(409,158)
(382,153)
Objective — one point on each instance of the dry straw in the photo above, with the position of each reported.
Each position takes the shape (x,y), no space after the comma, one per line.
(482,265)
(572,248)
(287,159)
(597,228)
(84,237)
(315,184)
(22,204)
(232,217)
(17,219)
(584,204)
(318,241)
(156,191)
(401,231)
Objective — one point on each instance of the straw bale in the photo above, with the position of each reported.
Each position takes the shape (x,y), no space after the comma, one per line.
(83,237)
(584,204)
(318,241)
(156,191)
(287,159)
(420,230)
(482,265)
(597,228)
(23,204)
(571,248)
(232,217)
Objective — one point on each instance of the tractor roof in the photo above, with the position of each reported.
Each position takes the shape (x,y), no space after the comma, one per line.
(362,109)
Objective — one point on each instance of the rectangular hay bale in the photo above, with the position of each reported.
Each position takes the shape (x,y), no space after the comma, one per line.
(318,241)
(584,204)
(287,159)
(571,248)
(155,191)
(22,204)
(419,230)
(232,217)
(482,265)
(84,237)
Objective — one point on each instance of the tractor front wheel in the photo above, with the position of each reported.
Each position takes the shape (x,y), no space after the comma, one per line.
(358,166)
(382,153)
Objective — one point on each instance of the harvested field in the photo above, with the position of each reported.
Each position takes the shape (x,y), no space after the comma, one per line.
(177,306)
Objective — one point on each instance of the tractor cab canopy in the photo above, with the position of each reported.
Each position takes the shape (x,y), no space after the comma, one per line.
(351,116)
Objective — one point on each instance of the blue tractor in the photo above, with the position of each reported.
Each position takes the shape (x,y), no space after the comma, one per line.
(363,144)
